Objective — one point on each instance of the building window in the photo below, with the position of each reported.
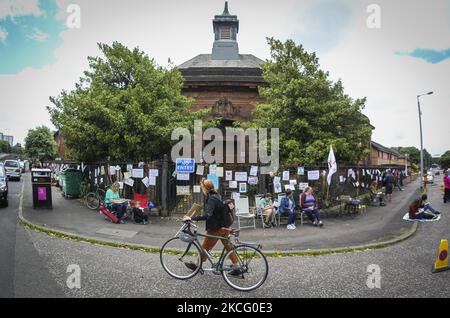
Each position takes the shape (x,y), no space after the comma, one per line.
(225,33)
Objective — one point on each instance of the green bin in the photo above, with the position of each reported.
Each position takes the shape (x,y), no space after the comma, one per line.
(71,180)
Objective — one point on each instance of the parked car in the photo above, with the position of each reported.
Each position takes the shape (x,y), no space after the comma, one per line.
(12,168)
(430,177)
(3,186)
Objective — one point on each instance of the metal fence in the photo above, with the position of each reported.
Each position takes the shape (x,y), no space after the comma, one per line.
(348,180)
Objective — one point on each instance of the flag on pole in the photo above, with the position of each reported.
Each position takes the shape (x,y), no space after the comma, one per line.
(332,166)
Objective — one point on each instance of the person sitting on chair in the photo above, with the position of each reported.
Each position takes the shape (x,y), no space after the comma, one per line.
(268,210)
(287,205)
(114,203)
(139,214)
(375,194)
(309,205)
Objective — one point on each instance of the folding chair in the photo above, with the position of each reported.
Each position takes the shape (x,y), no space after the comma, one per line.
(243,212)
(279,216)
(258,209)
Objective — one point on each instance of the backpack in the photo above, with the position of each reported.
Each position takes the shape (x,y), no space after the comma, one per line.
(228,214)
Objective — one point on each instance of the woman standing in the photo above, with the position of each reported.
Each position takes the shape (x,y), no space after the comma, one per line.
(447,186)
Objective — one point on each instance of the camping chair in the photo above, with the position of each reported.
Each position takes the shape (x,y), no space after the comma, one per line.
(143,199)
(243,212)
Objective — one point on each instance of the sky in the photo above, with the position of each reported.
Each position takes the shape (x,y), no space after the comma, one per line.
(389,53)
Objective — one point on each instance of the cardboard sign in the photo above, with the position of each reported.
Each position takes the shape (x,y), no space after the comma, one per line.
(241,176)
(183,190)
(183,176)
(313,175)
(137,173)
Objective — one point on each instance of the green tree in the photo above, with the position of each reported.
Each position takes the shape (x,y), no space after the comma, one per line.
(39,144)
(17,149)
(311,111)
(414,155)
(444,161)
(125,108)
(5,147)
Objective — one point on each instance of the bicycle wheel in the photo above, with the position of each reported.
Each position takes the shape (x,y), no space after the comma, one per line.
(92,201)
(174,256)
(252,263)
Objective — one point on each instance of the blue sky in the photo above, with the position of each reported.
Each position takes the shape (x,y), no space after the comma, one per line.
(30,39)
(408,55)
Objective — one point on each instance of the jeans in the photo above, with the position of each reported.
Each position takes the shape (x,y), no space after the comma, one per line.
(429,208)
(292,215)
(422,216)
(119,208)
(446,195)
(312,214)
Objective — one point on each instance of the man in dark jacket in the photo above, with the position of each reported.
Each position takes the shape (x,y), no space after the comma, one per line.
(215,221)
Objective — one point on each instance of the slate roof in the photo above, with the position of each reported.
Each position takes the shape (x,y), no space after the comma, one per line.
(385,149)
(206,61)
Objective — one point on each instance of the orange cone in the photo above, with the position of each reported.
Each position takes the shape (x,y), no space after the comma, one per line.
(441,263)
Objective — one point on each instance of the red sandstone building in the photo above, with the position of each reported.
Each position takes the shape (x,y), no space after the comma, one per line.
(224,81)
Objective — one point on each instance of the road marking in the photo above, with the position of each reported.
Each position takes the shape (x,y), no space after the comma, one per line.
(21,198)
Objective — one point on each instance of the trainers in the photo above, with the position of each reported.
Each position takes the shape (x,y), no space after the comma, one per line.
(273,224)
(290,227)
(190,265)
(121,222)
(236,272)
(267,226)
(144,222)
(320,223)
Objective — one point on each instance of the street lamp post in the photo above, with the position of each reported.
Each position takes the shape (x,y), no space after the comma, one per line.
(421,137)
(406,164)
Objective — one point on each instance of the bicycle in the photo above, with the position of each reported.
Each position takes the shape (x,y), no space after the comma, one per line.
(186,248)
(96,198)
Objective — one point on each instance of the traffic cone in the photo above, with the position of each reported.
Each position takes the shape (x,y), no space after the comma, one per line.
(441,263)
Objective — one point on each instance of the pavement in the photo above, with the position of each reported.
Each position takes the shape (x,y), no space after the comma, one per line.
(377,225)
(34,264)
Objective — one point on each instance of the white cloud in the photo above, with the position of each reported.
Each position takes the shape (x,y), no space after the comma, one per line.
(3,34)
(14,8)
(363,58)
(368,67)
(38,35)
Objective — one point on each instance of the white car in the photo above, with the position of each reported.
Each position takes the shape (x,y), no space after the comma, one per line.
(12,168)
(430,177)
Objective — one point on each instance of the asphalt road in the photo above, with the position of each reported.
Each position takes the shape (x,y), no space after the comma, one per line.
(33,264)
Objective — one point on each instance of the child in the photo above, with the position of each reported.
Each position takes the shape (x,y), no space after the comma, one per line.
(139,215)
